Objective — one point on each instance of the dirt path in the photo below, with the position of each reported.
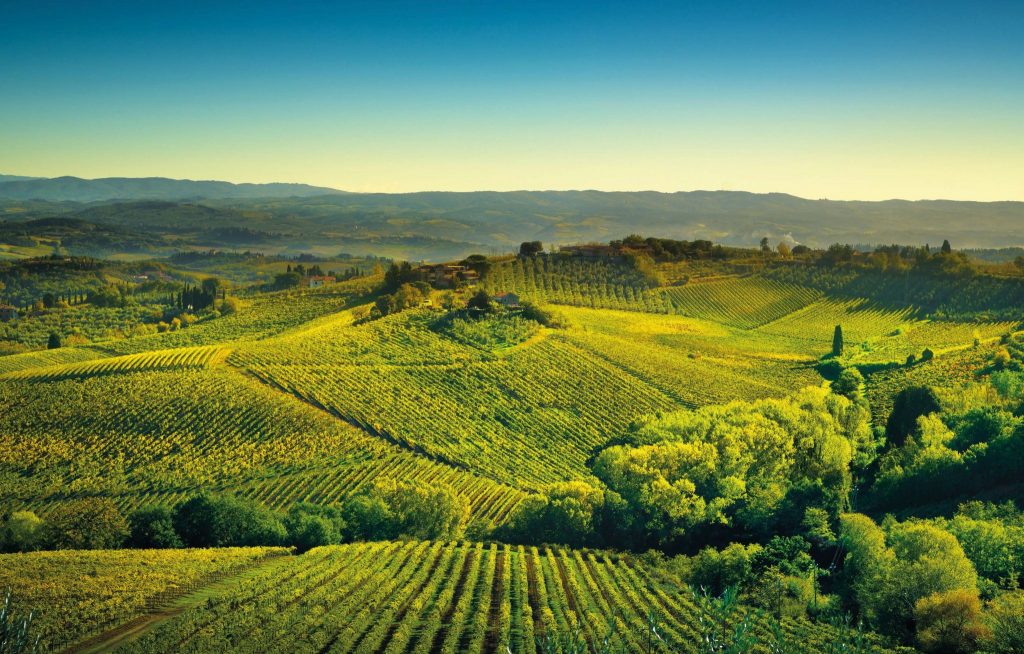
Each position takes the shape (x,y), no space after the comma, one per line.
(111,639)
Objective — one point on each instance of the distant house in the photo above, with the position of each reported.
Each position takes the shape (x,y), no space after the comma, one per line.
(319,281)
(8,313)
(507,300)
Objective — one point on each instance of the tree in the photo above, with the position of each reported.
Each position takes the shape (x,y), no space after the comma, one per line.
(910,404)
(783,250)
(1005,619)
(389,509)
(208,520)
(837,341)
(53,342)
(530,248)
(849,384)
(565,513)
(927,355)
(946,248)
(313,525)
(153,527)
(287,280)
(88,524)
(765,246)
(480,302)
(21,532)
(949,622)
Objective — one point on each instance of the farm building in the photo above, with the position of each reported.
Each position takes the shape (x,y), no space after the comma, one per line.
(319,281)
(507,300)
(446,275)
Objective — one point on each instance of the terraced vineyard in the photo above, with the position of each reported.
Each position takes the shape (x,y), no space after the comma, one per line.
(76,594)
(745,302)
(420,596)
(44,358)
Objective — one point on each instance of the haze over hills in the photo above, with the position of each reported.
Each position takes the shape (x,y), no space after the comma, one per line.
(76,189)
(470,221)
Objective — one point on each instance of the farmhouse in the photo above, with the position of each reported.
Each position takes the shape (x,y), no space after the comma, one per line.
(8,313)
(507,300)
(318,281)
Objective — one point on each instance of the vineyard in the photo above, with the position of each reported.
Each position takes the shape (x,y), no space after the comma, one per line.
(422,597)
(154,437)
(76,594)
(745,302)
(182,358)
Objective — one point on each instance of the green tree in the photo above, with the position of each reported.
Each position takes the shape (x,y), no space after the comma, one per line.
(53,342)
(910,404)
(208,520)
(1005,619)
(837,341)
(391,508)
(21,532)
(565,513)
(946,247)
(481,302)
(153,527)
(314,525)
(530,248)
(849,384)
(87,524)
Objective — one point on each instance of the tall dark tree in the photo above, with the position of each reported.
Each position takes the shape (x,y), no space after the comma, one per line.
(946,248)
(530,248)
(910,404)
(837,341)
(53,342)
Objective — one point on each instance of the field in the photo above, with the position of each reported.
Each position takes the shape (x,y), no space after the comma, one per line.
(297,397)
(421,596)
(76,594)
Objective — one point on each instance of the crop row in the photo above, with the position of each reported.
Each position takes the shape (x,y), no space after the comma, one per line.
(528,418)
(745,302)
(424,597)
(192,357)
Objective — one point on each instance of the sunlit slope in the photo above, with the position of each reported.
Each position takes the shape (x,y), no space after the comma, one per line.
(745,302)
(416,596)
(154,437)
(180,358)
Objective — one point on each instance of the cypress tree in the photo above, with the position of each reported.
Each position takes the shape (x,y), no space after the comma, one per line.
(837,342)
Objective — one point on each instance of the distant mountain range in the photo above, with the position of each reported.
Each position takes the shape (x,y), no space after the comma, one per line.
(76,189)
(302,216)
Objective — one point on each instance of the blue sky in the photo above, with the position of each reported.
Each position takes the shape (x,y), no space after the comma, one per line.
(847,100)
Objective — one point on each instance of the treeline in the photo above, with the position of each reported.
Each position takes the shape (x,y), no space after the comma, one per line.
(386,510)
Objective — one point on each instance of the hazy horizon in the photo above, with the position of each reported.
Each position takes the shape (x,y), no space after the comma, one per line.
(916,101)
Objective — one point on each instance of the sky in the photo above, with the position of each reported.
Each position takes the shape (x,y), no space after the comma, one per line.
(826,99)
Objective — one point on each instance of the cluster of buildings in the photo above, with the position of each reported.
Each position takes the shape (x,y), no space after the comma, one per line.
(446,275)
